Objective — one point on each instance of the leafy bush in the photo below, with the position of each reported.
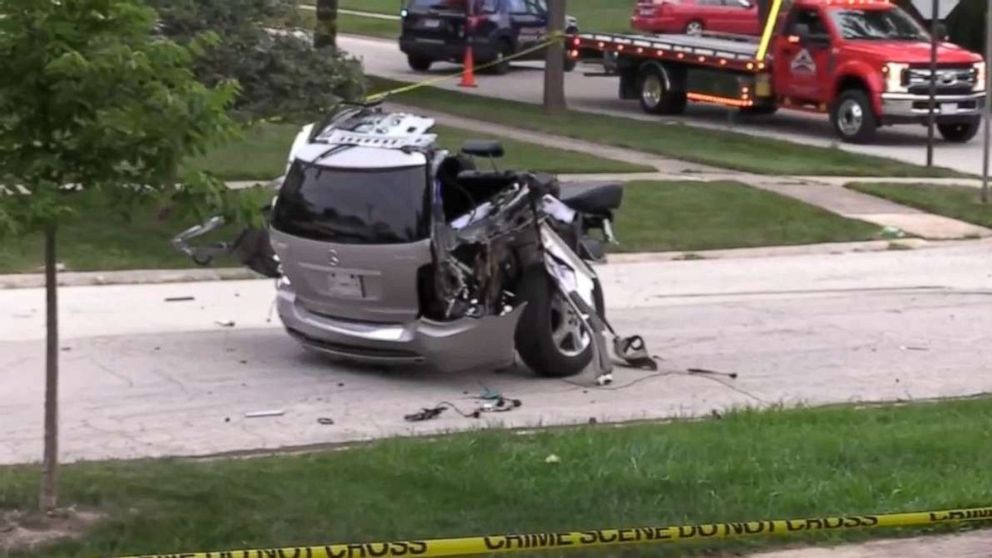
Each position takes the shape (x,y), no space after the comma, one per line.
(278,70)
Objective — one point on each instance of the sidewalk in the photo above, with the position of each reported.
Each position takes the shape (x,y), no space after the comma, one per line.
(976,544)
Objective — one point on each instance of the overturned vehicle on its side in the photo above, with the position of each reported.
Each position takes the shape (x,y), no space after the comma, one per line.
(392,251)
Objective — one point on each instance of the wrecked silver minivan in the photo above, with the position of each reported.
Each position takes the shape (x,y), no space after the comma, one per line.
(391,250)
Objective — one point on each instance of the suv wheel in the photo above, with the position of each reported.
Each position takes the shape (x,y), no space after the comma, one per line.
(960,132)
(419,63)
(853,117)
(501,66)
(550,338)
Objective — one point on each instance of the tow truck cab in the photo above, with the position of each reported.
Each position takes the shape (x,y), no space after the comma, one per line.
(864,62)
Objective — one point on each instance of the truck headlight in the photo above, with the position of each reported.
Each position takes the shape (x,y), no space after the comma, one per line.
(980,70)
(896,77)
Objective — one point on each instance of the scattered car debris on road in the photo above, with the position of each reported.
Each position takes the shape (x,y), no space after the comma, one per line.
(263,414)
(326,421)
(498,405)
(225,323)
(180,298)
(731,375)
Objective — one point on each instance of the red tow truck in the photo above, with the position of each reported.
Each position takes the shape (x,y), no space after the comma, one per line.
(866,63)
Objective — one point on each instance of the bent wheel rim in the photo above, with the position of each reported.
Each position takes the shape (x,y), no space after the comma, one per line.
(567,331)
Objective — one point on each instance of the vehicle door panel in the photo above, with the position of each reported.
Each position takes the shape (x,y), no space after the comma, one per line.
(529,19)
(803,61)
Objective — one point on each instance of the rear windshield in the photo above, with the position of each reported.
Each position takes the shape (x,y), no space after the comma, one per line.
(481,6)
(349,206)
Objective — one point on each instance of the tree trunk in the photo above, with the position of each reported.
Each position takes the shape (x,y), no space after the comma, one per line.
(554,70)
(326,32)
(49,481)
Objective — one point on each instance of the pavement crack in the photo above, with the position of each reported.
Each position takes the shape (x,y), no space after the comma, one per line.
(111,371)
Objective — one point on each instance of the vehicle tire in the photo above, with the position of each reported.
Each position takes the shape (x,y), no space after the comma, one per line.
(654,96)
(853,117)
(960,132)
(501,66)
(570,63)
(694,27)
(549,337)
(419,63)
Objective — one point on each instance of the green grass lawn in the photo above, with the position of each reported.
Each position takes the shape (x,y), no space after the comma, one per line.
(356,25)
(261,154)
(98,240)
(713,147)
(661,216)
(958,202)
(656,216)
(745,466)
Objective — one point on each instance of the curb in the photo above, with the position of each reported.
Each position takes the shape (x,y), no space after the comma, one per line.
(134,277)
(161,276)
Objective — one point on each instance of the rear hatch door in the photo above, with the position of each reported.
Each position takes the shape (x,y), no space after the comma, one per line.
(352,240)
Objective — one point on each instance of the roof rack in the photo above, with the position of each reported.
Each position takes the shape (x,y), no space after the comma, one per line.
(378,129)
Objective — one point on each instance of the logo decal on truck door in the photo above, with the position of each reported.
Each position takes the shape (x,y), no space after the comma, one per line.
(803,63)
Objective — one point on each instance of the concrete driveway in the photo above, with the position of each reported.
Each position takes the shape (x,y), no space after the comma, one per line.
(599,94)
(145,377)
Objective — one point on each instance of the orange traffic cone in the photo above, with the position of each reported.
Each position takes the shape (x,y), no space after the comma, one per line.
(468,72)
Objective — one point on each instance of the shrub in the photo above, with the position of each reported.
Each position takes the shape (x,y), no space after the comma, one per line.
(280,73)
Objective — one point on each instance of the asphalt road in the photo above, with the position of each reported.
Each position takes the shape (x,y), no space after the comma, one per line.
(599,94)
(145,377)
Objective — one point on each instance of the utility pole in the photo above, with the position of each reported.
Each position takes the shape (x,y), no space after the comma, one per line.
(326,32)
(988,102)
(932,117)
(554,69)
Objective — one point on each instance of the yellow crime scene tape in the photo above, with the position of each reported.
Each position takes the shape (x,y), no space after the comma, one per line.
(497,544)
(553,38)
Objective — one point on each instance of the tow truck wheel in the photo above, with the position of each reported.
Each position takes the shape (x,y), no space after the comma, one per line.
(960,132)
(853,117)
(655,96)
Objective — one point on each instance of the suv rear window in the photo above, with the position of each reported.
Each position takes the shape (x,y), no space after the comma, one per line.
(354,206)
(481,6)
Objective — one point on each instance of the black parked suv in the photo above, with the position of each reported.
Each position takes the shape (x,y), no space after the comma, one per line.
(435,30)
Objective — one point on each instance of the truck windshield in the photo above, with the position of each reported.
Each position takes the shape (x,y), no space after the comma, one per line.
(878,25)
(353,206)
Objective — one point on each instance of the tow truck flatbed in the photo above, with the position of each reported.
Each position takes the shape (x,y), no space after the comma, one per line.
(718,52)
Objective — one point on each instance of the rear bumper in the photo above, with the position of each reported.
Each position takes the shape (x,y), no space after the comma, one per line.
(449,346)
(446,49)
(905,107)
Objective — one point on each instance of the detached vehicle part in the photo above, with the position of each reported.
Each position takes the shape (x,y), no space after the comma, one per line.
(390,250)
